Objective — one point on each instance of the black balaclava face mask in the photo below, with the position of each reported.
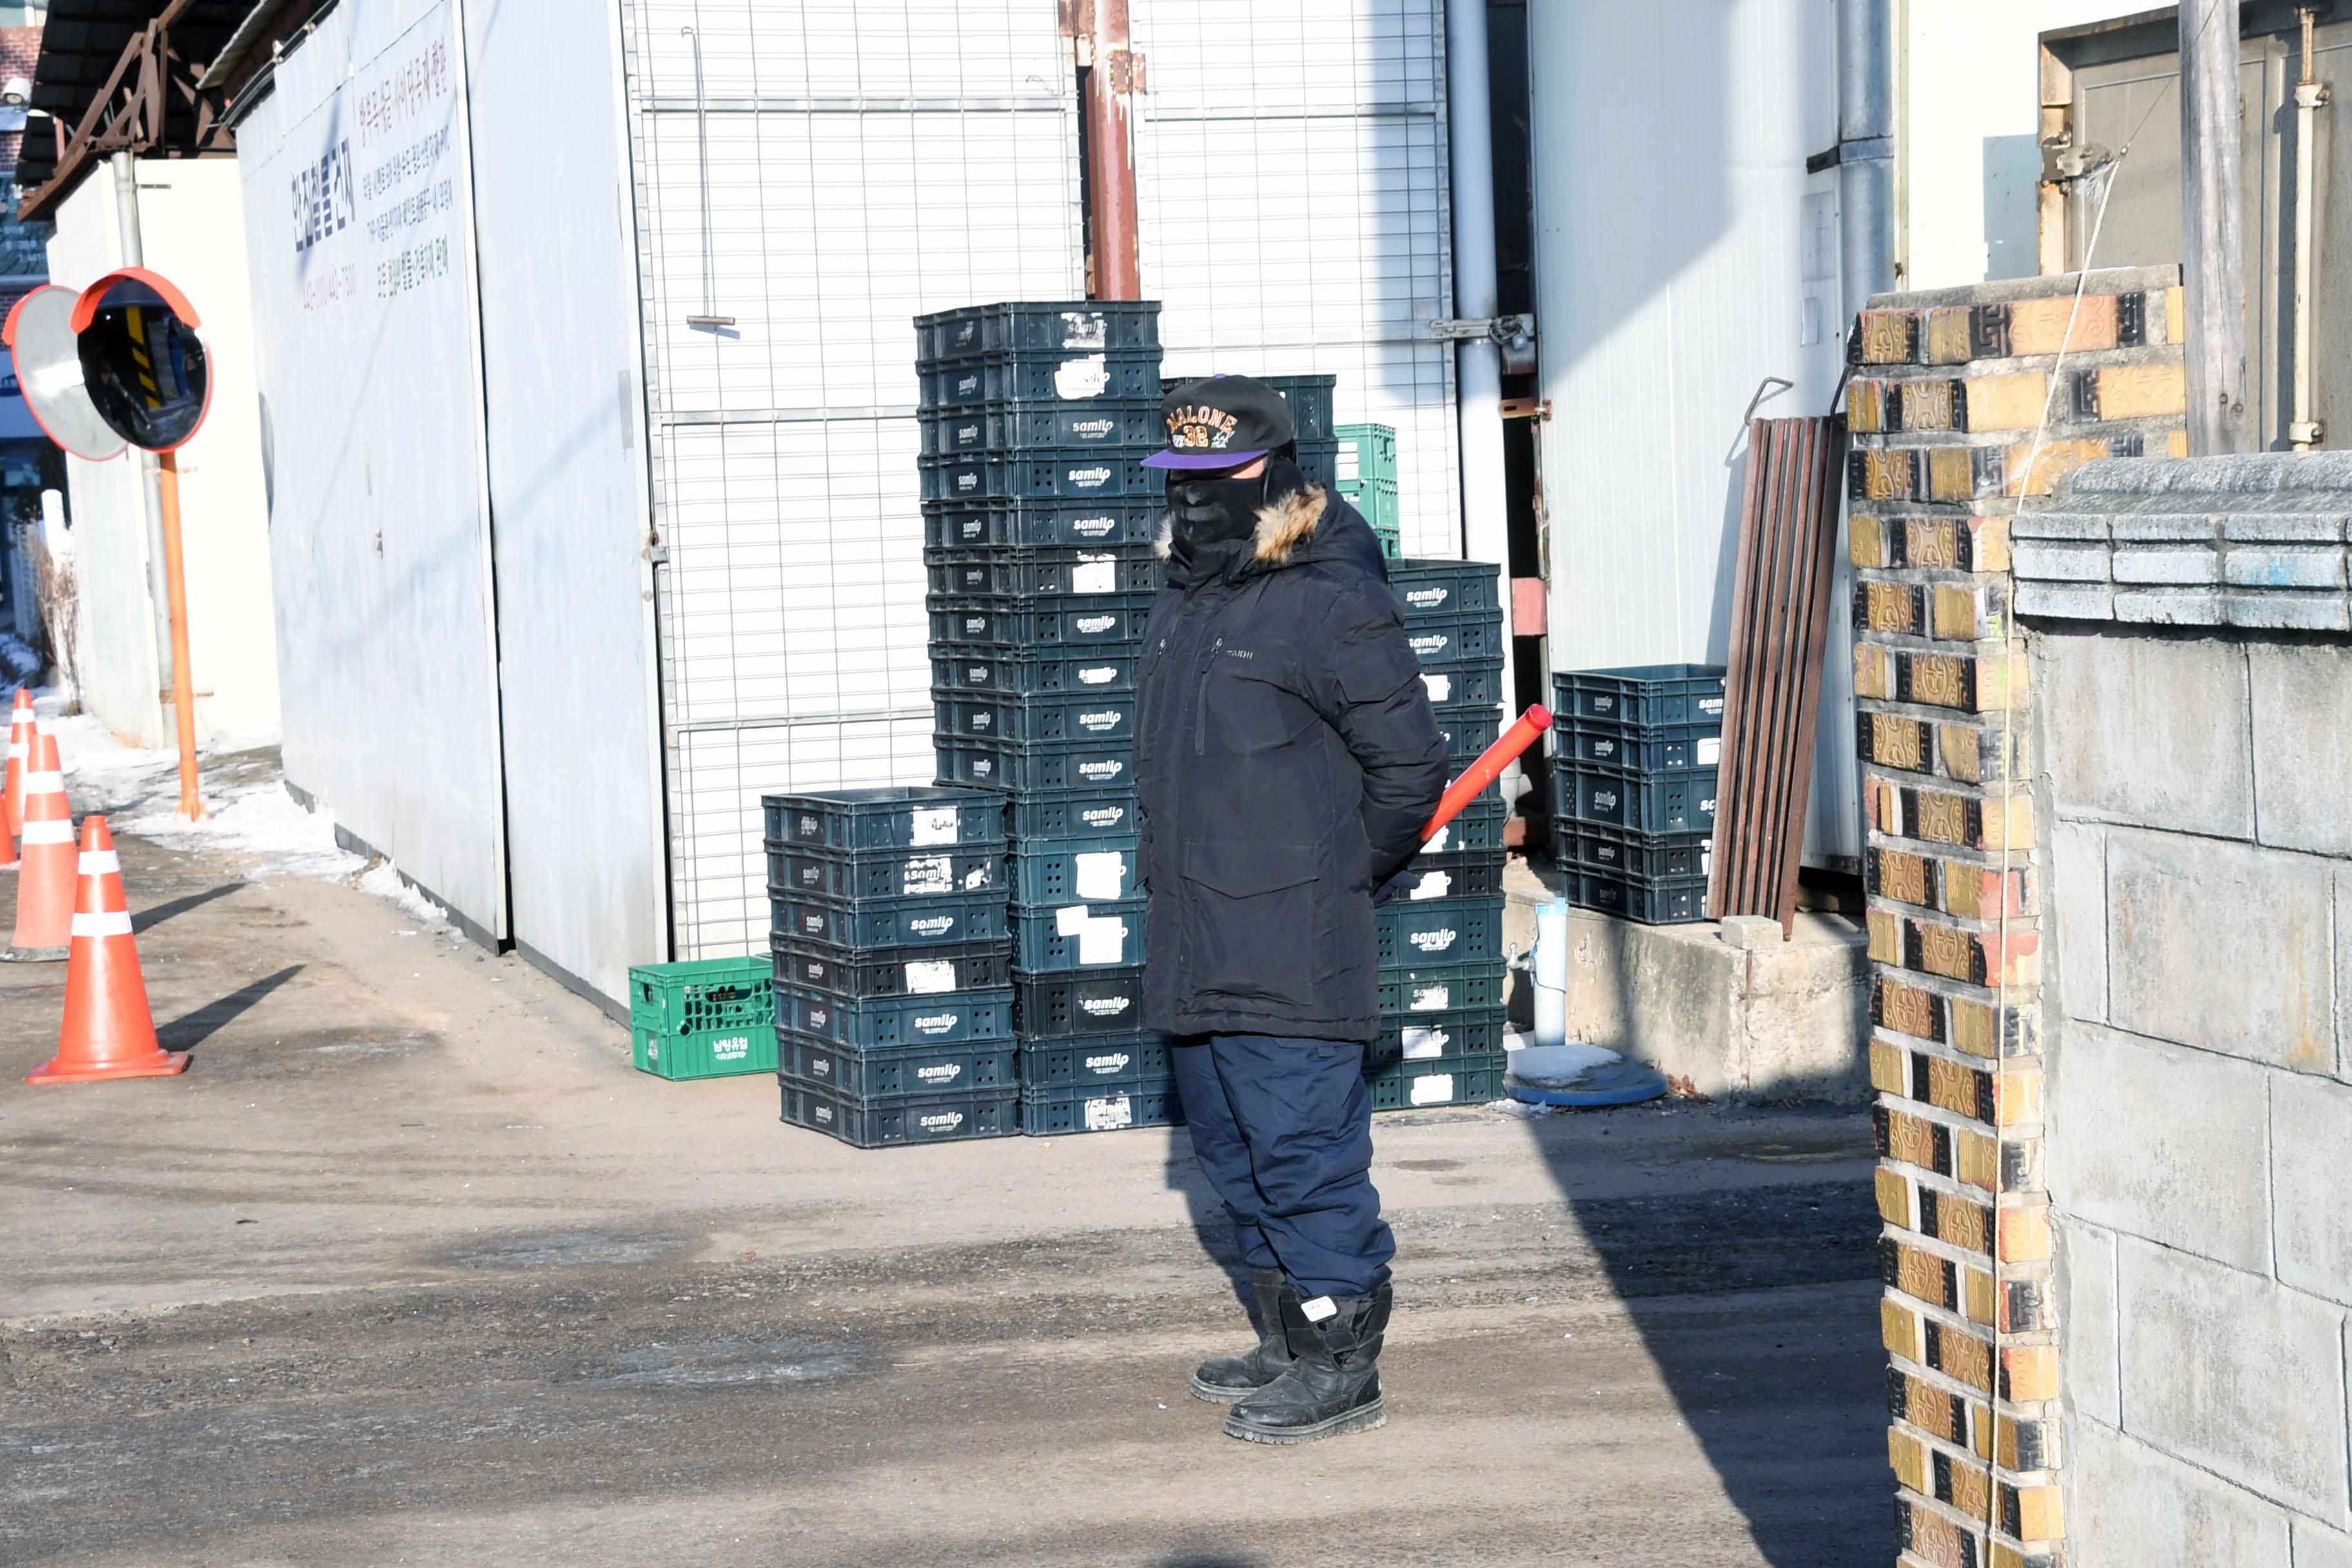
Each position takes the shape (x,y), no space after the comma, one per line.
(1212,511)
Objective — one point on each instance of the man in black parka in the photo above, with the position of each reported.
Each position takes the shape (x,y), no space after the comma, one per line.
(1287,760)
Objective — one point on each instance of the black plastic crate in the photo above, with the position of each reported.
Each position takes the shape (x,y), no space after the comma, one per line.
(1042,376)
(1468,730)
(1450,930)
(1442,589)
(898,972)
(1459,685)
(1447,1081)
(1088,719)
(893,816)
(1056,940)
(949,872)
(1319,462)
(1310,398)
(1093,1002)
(1047,523)
(1081,768)
(878,1125)
(1639,694)
(1086,575)
(1441,988)
(1621,852)
(1441,641)
(1075,871)
(862,1024)
(1646,803)
(1110,815)
(1420,1037)
(1070,474)
(1042,672)
(1457,874)
(1024,426)
(897,1072)
(1479,825)
(1079,325)
(1050,1109)
(1645,748)
(1665,902)
(1128,1058)
(860,924)
(1002,624)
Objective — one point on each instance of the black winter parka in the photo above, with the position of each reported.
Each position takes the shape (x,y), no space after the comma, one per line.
(1287,759)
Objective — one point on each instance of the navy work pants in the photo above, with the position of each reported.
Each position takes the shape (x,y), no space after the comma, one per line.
(1283,1129)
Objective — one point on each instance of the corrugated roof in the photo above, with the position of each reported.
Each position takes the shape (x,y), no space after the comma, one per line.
(83,38)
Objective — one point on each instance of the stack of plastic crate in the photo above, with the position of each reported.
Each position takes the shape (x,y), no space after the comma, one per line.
(1040,520)
(1442,944)
(893,964)
(1368,478)
(1634,755)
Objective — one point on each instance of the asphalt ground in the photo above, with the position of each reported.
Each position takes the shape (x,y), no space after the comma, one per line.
(411,1266)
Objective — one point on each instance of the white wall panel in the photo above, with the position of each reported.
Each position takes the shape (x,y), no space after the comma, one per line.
(1291,172)
(867,163)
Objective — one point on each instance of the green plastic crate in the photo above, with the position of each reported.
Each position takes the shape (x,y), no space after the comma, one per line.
(1367,477)
(712,1017)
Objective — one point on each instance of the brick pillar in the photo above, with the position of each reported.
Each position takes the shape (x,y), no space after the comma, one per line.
(1948,390)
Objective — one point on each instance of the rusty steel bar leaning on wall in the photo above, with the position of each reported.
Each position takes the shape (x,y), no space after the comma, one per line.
(1111,85)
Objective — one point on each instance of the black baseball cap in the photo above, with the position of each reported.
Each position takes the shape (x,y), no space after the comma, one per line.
(1222,421)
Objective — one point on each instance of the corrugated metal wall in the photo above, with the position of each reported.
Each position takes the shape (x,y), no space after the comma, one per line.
(1291,170)
(1682,255)
(865,162)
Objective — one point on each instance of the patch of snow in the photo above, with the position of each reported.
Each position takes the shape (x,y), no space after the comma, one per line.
(256,819)
(384,881)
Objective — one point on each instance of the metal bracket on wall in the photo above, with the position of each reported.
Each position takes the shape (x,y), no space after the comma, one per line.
(1526,408)
(1506,331)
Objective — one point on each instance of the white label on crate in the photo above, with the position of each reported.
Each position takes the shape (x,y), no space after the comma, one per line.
(928,874)
(1430,999)
(1104,940)
(1098,675)
(1086,478)
(1108,1114)
(980,875)
(1094,527)
(1705,856)
(1440,687)
(1103,818)
(1433,940)
(940,1121)
(1102,875)
(1433,885)
(1422,1045)
(933,925)
(931,977)
(1081,377)
(821,1066)
(984,767)
(1711,707)
(1106,1006)
(1094,626)
(819,1018)
(1102,771)
(732,1049)
(1094,429)
(823,1112)
(1109,1063)
(1710,750)
(1085,329)
(934,825)
(939,1075)
(1095,576)
(1070,921)
(1437,1088)
(1103,721)
(1436,844)
(1427,598)
(1604,748)
(937,1022)
(1429,643)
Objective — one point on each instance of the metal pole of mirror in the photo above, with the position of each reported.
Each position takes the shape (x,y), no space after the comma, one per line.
(183,689)
(151,483)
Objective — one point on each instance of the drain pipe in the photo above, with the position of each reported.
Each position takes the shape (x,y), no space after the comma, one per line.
(2303,432)
(1486,517)
(1865,150)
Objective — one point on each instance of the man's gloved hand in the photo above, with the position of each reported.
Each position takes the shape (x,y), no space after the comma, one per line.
(1400,886)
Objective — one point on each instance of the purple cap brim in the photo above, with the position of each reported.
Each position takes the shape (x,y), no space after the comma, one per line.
(1201,459)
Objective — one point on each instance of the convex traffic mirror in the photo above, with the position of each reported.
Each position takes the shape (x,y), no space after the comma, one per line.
(142,359)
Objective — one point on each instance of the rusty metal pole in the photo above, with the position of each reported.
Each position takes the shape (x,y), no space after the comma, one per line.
(1110,154)
(183,689)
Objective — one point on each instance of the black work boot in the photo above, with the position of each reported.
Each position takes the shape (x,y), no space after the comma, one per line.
(1226,1378)
(1333,1385)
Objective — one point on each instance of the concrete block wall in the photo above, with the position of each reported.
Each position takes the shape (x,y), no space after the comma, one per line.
(2198,1011)
(1947,410)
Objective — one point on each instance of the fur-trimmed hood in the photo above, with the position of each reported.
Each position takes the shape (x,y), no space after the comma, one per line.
(1283,525)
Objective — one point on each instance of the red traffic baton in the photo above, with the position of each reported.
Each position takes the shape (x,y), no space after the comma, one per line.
(1488,767)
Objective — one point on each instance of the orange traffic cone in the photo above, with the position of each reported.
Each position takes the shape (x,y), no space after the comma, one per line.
(108,1031)
(45,886)
(20,757)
